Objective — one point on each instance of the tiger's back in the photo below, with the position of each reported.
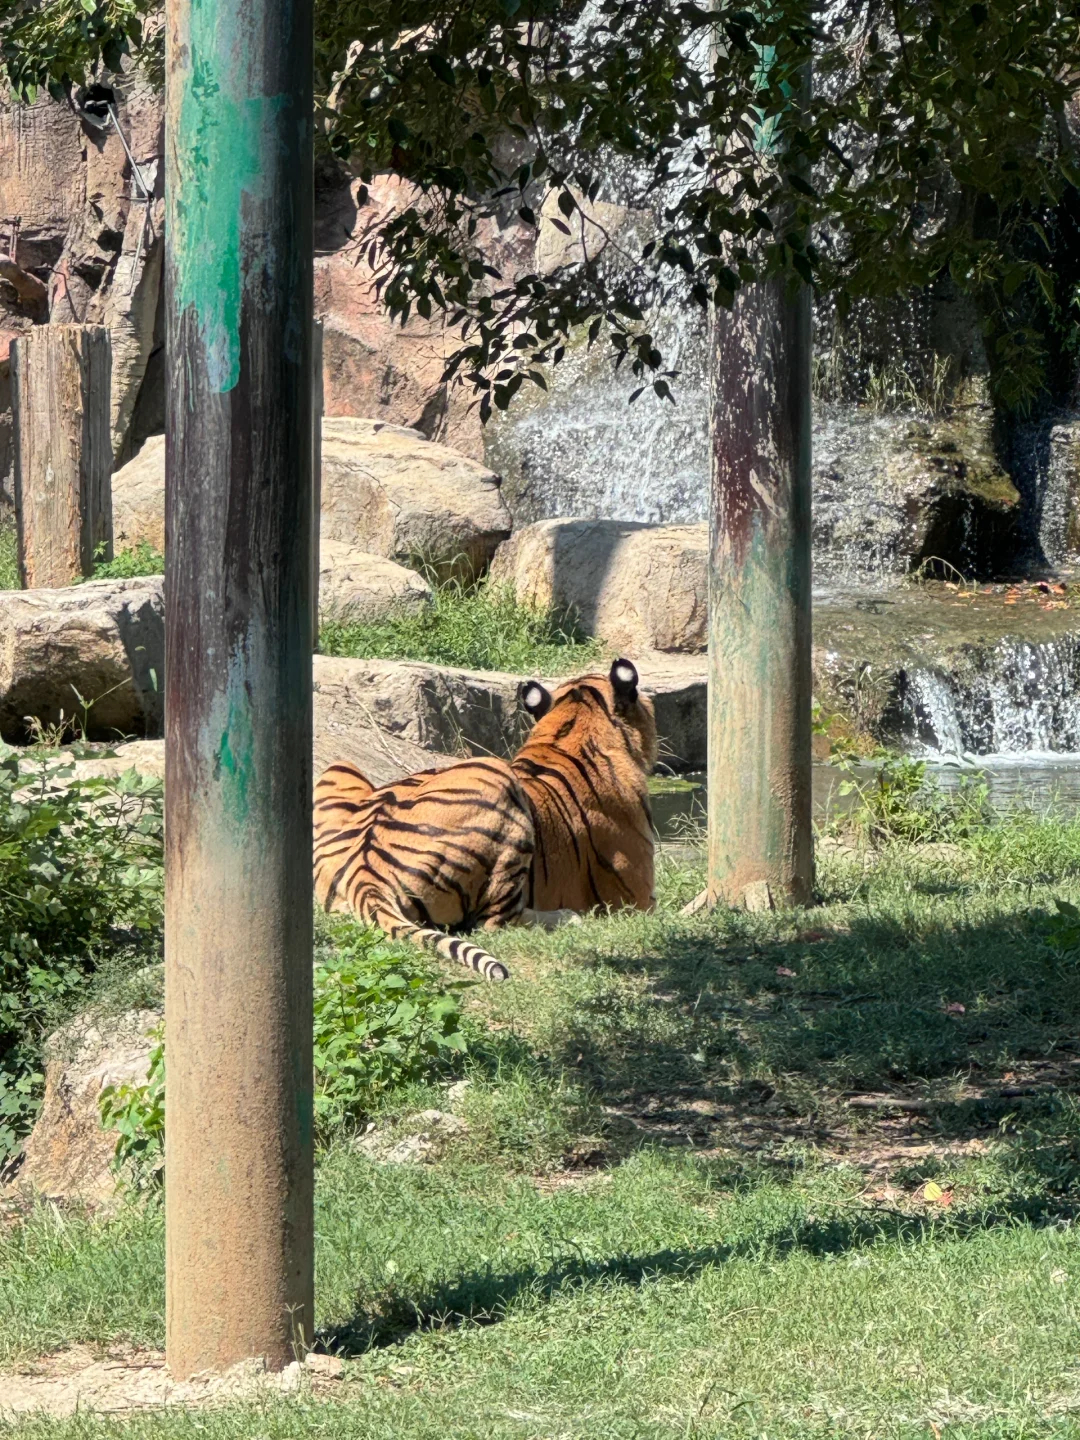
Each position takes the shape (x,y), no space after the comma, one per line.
(585,770)
(449,848)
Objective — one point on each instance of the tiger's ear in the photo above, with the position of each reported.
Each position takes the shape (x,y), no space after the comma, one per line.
(534,698)
(624,678)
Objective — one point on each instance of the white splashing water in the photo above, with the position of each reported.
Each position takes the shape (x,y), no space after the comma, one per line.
(1018,698)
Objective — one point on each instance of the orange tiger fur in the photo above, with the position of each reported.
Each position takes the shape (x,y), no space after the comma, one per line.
(564,826)
(585,768)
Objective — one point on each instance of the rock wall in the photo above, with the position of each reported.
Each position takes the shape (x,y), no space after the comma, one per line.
(892,487)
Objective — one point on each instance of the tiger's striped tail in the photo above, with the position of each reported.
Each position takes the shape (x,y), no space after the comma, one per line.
(392,923)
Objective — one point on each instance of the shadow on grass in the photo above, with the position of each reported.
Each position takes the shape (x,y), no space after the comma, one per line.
(878,1004)
(484,1296)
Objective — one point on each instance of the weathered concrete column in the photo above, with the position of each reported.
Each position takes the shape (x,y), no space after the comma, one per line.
(61,383)
(760,831)
(761,846)
(238,926)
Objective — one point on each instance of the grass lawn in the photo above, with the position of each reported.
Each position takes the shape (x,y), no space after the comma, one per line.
(477,627)
(666,1218)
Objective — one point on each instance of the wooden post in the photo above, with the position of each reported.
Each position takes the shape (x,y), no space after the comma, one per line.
(61,383)
(759,741)
(238,907)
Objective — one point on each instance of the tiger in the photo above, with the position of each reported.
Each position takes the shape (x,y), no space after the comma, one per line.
(565,826)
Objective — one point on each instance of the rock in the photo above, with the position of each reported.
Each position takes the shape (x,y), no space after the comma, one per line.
(428,707)
(138,499)
(393,493)
(386,491)
(892,493)
(84,228)
(361,586)
(926,669)
(1059,501)
(67,1154)
(431,1132)
(379,711)
(104,639)
(637,587)
(145,756)
(372,364)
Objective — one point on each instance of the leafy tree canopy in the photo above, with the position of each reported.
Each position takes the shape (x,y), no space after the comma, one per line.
(936,141)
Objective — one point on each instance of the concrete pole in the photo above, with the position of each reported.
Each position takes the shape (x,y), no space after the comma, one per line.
(238,909)
(759,741)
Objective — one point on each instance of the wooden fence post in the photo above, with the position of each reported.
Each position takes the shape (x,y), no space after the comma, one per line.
(61,383)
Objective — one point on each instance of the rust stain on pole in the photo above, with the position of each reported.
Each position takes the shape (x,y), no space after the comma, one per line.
(238,929)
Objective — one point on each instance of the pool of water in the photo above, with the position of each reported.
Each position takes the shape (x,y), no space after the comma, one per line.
(1041,782)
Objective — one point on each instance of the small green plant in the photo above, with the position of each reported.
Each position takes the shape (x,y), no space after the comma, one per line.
(128,564)
(381,1020)
(80,874)
(903,803)
(137,1114)
(1063,931)
(9,556)
(478,626)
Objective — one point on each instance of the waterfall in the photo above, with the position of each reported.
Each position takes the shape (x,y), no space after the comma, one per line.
(1015,698)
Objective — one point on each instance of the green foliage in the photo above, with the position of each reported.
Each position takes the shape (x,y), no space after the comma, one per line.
(80,873)
(935,147)
(479,627)
(9,557)
(137,1114)
(54,43)
(382,1020)
(1063,931)
(143,559)
(904,803)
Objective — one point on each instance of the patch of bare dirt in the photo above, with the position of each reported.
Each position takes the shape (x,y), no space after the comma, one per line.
(121,1381)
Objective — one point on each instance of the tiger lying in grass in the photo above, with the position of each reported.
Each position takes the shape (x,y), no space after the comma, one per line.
(564,826)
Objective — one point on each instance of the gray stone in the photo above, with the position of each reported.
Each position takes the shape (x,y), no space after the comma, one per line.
(426,707)
(104,640)
(639,588)
(138,499)
(356,585)
(67,1155)
(393,493)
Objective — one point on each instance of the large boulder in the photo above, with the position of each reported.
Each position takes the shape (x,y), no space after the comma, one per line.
(138,499)
(104,640)
(386,491)
(359,586)
(637,587)
(67,1154)
(392,717)
(425,707)
(393,493)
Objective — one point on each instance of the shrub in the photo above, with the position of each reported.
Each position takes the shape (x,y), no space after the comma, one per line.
(903,803)
(80,874)
(128,564)
(381,1019)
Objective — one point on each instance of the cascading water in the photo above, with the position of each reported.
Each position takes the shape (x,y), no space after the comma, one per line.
(1016,698)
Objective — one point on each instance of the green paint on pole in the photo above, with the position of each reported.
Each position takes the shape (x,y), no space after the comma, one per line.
(223,154)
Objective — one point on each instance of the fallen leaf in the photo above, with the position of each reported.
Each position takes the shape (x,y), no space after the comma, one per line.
(783,970)
(955,1009)
(813,935)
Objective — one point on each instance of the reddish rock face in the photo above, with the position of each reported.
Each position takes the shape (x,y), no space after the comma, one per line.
(373,366)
